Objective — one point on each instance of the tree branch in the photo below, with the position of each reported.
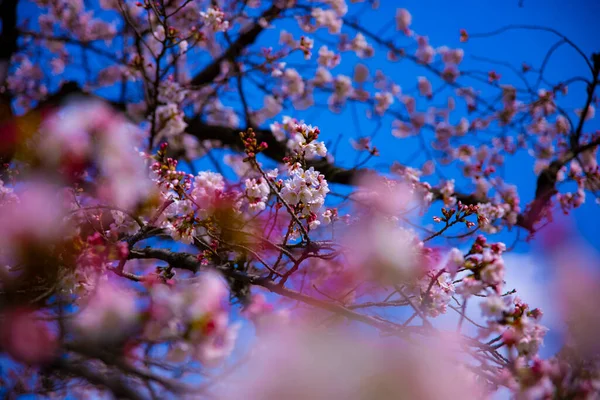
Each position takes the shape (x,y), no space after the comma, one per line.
(276,150)
(9,35)
(104,379)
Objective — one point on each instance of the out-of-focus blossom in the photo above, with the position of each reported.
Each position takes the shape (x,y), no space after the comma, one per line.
(385,253)
(577,285)
(90,133)
(322,77)
(197,315)
(27,338)
(328,58)
(35,213)
(360,46)
(424,87)
(590,113)
(361,73)
(425,52)
(109,315)
(383,101)
(382,195)
(214,19)
(455,261)
(494,306)
(403,21)
(264,315)
(170,120)
(293,83)
(327,19)
(300,364)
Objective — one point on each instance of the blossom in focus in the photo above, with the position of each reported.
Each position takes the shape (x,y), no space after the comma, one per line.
(257,191)
(308,187)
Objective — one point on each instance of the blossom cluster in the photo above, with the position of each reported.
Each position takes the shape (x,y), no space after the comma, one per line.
(305,191)
(193,319)
(89,139)
(483,271)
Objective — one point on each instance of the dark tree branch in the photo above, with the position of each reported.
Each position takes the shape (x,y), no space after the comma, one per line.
(191,263)
(10,33)
(103,379)
(277,150)
(8,47)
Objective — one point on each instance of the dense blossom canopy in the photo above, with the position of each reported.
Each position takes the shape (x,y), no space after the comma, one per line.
(174,224)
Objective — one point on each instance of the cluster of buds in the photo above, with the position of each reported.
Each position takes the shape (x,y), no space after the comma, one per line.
(197,36)
(304,144)
(485,265)
(137,62)
(308,132)
(251,145)
(166,171)
(481,244)
(467,210)
(464,211)
(205,256)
